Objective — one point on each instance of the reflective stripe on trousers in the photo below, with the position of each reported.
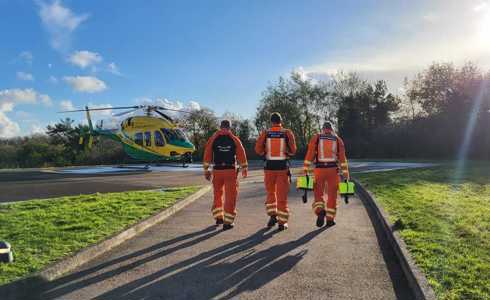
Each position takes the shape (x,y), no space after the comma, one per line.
(225,181)
(277,187)
(326,186)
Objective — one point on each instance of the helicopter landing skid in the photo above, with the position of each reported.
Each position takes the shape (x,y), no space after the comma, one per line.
(146,167)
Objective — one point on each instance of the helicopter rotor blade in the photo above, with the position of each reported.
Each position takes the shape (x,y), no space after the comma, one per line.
(125,112)
(103,108)
(171,109)
(164,115)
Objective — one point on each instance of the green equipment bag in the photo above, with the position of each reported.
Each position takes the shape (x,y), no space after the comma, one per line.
(346,189)
(305,182)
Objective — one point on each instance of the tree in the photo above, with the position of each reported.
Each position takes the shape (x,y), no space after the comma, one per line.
(363,108)
(200,124)
(63,133)
(303,104)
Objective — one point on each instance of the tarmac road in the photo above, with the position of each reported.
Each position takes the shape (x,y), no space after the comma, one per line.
(21,185)
(185,257)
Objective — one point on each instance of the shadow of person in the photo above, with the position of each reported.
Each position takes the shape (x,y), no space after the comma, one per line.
(263,275)
(222,273)
(74,281)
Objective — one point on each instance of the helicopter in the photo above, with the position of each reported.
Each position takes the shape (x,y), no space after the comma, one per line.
(152,138)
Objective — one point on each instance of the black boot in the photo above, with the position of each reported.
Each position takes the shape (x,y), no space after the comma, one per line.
(228,226)
(219,221)
(272,221)
(330,223)
(282,227)
(321,218)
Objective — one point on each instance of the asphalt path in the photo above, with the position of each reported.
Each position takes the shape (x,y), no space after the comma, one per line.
(18,185)
(186,257)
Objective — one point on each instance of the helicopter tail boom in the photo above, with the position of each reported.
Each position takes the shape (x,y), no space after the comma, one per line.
(89,120)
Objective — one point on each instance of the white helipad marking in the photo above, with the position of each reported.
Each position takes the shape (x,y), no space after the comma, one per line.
(132,168)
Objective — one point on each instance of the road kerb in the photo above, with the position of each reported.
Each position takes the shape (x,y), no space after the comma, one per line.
(416,279)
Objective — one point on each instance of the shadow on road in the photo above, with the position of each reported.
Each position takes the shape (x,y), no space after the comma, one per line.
(75,281)
(223,272)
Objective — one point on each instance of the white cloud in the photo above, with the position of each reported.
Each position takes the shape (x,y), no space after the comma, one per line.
(101,113)
(60,22)
(11,97)
(53,79)
(114,69)
(25,76)
(8,128)
(8,99)
(45,99)
(37,129)
(174,105)
(85,84)
(66,105)
(193,105)
(26,56)
(85,58)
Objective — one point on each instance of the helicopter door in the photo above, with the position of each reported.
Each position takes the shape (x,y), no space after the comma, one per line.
(148,139)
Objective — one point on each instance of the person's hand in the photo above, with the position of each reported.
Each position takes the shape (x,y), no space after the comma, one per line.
(305,171)
(346,178)
(207,175)
(245,172)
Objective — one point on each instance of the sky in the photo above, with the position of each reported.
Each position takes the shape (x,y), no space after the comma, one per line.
(64,54)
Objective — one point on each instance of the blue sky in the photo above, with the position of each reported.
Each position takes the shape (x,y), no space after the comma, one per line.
(218,54)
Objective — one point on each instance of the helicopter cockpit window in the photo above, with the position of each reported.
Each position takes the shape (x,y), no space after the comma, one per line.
(169,135)
(148,139)
(180,135)
(159,142)
(174,135)
(138,138)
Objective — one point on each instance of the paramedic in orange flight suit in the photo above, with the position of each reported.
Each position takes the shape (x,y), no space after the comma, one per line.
(276,144)
(327,151)
(222,150)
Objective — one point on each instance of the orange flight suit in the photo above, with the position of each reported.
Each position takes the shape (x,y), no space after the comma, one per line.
(222,150)
(327,151)
(276,144)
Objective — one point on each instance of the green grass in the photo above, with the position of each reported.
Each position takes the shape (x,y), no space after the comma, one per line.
(446,225)
(43,231)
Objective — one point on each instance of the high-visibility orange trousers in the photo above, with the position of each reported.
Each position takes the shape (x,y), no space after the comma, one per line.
(225,180)
(277,187)
(326,180)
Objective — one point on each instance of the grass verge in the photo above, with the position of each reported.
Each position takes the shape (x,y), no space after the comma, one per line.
(43,231)
(444,222)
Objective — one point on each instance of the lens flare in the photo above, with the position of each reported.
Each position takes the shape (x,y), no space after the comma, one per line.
(468,134)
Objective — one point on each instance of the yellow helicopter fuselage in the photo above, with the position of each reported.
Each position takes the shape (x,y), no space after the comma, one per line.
(151,139)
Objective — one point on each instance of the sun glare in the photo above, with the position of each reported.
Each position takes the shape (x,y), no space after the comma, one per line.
(484,29)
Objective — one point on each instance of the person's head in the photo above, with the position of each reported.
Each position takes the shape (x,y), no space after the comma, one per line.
(327,126)
(225,124)
(276,118)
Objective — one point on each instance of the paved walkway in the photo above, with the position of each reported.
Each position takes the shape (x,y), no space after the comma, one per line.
(186,258)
